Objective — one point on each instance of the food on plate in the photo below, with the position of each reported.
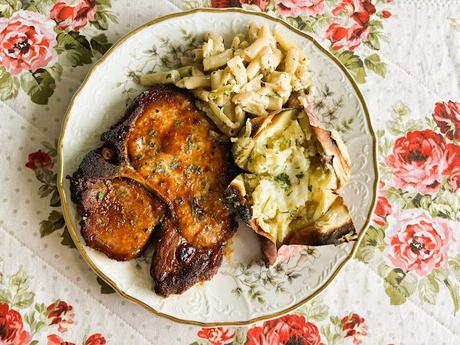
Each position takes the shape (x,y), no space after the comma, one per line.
(290,190)
(173,151)
(254,75)
(118,214)
(177,265)
(169,165)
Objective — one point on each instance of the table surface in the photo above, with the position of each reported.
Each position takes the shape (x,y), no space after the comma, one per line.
(403,286)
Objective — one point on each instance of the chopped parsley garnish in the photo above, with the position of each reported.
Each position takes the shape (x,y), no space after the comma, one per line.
(168,76)
(153,133)
(159,169)
(299,176)
(139,156)
(192,169)
(197,210)
(174,164)
(189,144)
(284,181)
(178,122)
(101,195)
(179,201)
(310,188)
(152,144)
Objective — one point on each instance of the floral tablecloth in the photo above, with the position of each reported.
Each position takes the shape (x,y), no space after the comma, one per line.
(403,286)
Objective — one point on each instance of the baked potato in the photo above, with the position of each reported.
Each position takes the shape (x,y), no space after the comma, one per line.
(290,189)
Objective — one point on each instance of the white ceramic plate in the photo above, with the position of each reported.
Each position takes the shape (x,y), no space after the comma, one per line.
(243,291)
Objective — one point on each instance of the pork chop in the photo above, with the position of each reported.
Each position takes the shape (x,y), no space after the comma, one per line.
(171,149)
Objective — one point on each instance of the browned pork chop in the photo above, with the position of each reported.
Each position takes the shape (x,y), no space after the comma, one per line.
(172,149)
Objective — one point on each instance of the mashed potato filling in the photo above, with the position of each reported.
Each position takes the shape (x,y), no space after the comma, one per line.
(288,180)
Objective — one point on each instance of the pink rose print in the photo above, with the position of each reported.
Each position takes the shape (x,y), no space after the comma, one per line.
(453,166)
(382,210)
(225,3)
(96,339)
(386,14)
(12,330)
(74,17)
(260,336)
(447,117)
(289,329)
(418,161)
(262,4)
(26,42)
(338,35)
(54,339)
(352,35)
(217,335)
(40,159)
(417,242)
(294,8)
(353,325)
(60,313)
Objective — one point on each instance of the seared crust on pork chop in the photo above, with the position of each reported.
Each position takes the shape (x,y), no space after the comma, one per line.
(175,153)
(118,214)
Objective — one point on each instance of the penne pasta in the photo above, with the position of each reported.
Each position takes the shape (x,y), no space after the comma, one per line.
(291,61)
(185,71)
(196,71)
(253,68)
(281,39)
(253,31)
(201,94)
(254,76)
(216,79)
(186,60)
(237,68)
(236,42)
(216,61)
(254,49)
(169,77)
(198,54)
(195,82)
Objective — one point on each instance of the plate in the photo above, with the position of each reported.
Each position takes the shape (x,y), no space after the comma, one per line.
(243,291)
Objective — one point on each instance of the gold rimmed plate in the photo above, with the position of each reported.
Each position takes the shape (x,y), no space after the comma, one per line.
(243,291)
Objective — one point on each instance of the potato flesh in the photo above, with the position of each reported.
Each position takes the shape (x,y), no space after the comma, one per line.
(288,183)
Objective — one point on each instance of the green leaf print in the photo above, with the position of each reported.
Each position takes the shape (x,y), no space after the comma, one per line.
(240,336)
(8,7)
(399,285)
(37,318)
(105,288)
(55,71)
(73,49)
(454,294)
(374,64)
(66,239)
(354,64)
(401,122)
(104,15)
(38,5)
(454,267)
(373,243)
(428,288)
(54,222)
(316,310)
(18,294)
(9,85)
(39,85)
(100,43)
